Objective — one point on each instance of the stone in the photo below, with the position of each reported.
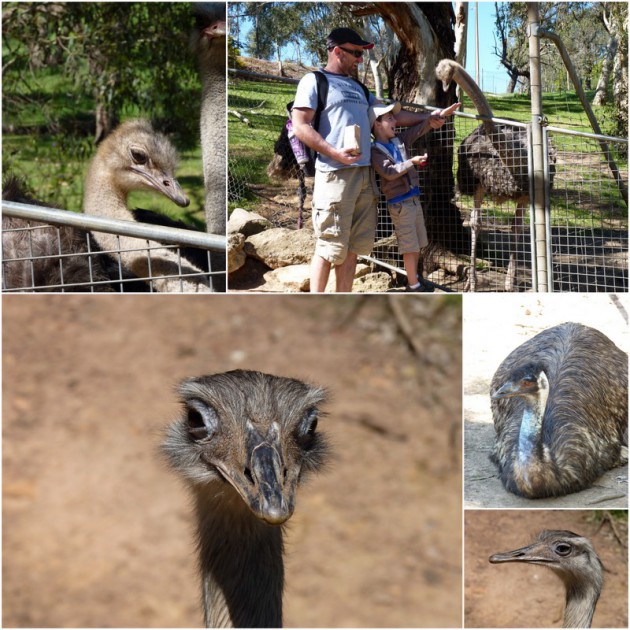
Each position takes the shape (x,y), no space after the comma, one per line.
(247,223)
(236,255)
(280,247)
(290,279)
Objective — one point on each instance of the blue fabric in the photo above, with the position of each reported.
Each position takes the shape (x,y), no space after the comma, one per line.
(412,192)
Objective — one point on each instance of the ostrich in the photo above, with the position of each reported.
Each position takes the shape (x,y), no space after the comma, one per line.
(492,160)
(209,44)
(560,408)
(573,559)
(31,251)
(135,157)
(243,443)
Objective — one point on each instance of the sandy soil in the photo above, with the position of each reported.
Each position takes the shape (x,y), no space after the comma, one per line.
(493,326)
(96,530)
(530,596)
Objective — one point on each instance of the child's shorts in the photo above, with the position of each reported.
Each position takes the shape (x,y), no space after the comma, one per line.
(409,225)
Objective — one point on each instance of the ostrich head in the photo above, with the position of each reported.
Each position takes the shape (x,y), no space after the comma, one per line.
(573,559)
(527,381)
(250,431)
(209,35)
(444,72)
(135,157)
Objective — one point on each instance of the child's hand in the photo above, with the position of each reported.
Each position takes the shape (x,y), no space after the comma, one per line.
(450,110)
(419,160)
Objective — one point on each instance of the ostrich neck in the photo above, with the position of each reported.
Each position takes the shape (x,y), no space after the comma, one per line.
(241,562)
(213,144)
(498,139)
(580,605)
(102,198)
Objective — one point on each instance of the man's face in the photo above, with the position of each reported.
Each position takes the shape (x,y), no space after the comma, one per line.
(348,62)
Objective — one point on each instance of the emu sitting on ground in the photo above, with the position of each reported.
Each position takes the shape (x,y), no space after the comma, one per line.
(573,559)
(560,408)
(493,160)
(243,444)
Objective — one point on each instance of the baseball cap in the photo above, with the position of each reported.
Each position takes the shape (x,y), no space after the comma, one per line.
(340,36)
(383,108)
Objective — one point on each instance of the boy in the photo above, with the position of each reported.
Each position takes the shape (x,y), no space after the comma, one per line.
(400,185)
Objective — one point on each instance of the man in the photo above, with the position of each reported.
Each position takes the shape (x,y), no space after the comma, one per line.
(344,195)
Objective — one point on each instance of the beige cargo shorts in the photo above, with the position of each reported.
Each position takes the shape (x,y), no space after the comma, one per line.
(409,225)
(344,212)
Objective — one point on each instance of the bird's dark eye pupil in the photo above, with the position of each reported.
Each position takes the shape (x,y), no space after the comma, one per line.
(312,427)
(138,157)
(563,549)
(196,427)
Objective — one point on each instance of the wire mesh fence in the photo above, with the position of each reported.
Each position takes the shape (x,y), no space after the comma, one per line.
(49,250)
(586,214)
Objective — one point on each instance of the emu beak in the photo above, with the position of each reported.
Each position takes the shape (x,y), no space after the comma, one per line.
(164,184)
(506,391)
(274,499)
(531,553)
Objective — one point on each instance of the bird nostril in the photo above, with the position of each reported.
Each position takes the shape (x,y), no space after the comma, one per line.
(166,183)
(248,475)
(284,474)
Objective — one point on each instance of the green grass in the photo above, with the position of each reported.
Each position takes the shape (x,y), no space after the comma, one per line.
(54,164)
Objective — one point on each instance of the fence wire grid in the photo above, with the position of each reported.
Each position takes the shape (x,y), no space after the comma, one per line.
(43,250)
(586,215)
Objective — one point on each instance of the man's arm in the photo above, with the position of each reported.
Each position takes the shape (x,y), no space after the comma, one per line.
(302,117)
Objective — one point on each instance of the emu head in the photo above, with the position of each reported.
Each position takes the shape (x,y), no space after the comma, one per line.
(570,556)
(528,380)
(253,431)
(136,157)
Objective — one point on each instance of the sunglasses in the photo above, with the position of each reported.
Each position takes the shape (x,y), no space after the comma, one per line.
(356,53)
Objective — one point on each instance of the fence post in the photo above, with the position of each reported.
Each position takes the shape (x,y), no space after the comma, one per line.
(538,157)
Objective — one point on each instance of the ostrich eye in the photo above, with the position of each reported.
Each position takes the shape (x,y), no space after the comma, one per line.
(201,419)
(307,428)
(563,549)
(139,157)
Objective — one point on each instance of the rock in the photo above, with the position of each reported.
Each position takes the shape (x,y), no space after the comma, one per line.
(280,247)
(290,279)
(379,282)
(247,223)
(236,255)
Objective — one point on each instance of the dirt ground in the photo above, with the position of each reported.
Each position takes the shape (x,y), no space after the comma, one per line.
(530,596)
(493,326)
(97,532)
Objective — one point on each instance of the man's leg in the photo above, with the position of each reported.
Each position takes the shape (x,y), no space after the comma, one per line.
(344,273)
(320,270)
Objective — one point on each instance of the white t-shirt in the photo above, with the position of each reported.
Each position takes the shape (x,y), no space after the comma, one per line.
(345,105)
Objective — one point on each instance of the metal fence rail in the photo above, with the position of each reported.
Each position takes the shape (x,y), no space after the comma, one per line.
(46,249)
(587,215)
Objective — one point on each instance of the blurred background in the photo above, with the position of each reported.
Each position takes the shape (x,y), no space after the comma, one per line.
(98,532)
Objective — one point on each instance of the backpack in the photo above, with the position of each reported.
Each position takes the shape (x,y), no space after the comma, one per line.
(304,155)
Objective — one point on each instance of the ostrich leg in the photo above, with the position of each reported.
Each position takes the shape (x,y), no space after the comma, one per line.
(517,232)
(475,226)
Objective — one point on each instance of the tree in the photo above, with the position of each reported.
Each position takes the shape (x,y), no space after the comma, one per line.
(124,54)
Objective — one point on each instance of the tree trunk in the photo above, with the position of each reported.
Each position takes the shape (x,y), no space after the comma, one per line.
(461,38)
(602,84)
(426,35)
(376,74)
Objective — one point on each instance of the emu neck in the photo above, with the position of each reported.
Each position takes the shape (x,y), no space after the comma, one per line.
(531,425)
(102,198)
(241,562)
(580,605)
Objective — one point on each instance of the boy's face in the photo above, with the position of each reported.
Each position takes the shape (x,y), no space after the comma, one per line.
(386,125)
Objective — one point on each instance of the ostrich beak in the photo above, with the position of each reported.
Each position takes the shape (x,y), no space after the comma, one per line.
(446,85)
(163,183)
(532,553)
(216,29)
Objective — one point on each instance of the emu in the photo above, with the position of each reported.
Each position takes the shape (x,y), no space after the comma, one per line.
(244,442)
(560,408)
(493,160)
(136,157)
(574,560)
